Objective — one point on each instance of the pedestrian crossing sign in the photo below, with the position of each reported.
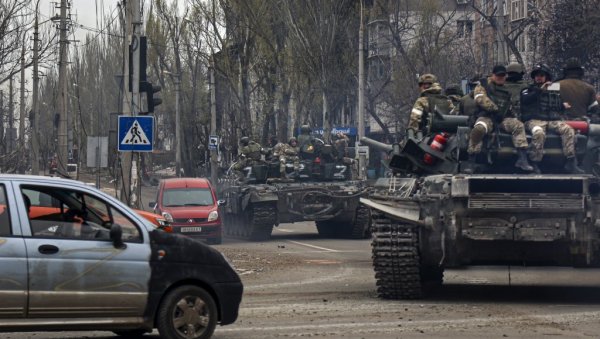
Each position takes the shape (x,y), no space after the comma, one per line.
(136,133)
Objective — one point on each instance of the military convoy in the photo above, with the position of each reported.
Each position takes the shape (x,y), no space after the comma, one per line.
(319,187)
(428,215)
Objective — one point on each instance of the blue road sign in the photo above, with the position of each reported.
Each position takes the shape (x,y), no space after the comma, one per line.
(136,133)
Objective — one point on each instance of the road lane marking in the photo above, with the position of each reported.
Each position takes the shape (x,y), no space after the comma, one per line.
(313,246)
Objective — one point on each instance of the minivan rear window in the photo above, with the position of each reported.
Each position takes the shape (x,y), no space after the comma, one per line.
(178,197)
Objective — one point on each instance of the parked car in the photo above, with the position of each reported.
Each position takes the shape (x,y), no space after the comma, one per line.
(193,205)
(78,259)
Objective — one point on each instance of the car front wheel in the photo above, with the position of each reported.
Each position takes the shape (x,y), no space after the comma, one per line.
(187,312)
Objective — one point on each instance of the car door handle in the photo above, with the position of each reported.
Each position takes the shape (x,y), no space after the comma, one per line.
(48,249)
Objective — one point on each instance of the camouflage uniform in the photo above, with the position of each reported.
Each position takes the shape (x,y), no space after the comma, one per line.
(454,93)
(340,145)
(540,110)
(249,155)
(430,97)
(494,112)
(286,152)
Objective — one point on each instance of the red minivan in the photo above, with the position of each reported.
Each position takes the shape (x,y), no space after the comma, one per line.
(193,206)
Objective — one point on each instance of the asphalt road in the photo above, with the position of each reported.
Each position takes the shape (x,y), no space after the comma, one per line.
(299,285)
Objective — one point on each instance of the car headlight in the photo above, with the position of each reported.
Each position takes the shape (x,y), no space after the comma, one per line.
(214,215)
(168,217)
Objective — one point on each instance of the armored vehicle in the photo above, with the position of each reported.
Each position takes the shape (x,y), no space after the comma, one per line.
(320,189)
(428,216)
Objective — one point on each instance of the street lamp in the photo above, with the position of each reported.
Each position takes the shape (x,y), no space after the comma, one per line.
(176,77)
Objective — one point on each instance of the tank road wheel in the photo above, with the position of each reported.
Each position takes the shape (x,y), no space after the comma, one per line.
(260,220)
(361,225)
(396,261)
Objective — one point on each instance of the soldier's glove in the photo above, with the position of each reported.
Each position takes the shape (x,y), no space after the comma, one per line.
(410,133)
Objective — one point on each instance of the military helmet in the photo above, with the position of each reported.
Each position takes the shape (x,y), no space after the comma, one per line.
(244,141)
(515,67)
(427,79)
(572,63)
(305,129)
(541,68)
(453,89)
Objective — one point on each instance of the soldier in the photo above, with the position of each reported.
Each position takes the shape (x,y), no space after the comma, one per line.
(250,153)
(287,152)
(454,93)
(515,84)
(580,95)
(340,144)
(493,101)
(540,112)
(467,105)
(430,99)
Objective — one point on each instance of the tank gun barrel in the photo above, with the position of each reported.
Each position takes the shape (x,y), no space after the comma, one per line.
(376,144)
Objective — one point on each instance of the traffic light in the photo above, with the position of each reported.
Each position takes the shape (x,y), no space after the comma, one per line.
(150,90)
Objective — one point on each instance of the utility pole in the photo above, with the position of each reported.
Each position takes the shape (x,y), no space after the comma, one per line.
(177,79)
(63,142)
(362,158)
(134,188)
(35,144)
(125,157)
(214,153)
(20,165)
(11,117)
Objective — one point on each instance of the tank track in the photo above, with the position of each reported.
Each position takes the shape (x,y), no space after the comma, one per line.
(261,218)
(360,227)
(396,260)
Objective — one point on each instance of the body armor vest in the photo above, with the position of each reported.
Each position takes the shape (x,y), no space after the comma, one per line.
(501,97)
(515,88)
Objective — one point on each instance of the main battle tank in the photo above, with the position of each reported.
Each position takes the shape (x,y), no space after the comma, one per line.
(321,190)
(428,216)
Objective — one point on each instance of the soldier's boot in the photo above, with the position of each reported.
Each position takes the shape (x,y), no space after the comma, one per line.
(536,168)
(572,167)
(470,166)
(522,162)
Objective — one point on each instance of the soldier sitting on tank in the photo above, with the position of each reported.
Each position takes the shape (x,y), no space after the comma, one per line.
(430,100)
(250,154)
(308,146)
(454,93)
(540,110)
(467,105)
(493,102)
(287,152)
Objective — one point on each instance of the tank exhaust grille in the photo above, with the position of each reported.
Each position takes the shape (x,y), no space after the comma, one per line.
(527,202)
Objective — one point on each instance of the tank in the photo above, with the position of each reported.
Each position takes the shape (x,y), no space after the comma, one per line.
(427,215)
(321,190)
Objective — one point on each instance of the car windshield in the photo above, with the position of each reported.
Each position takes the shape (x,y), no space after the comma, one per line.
(187,197)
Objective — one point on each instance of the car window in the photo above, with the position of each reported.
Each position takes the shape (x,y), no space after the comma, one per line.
(70,214)
(187,197)
(5,227)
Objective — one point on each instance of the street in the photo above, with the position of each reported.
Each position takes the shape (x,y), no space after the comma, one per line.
(299,285)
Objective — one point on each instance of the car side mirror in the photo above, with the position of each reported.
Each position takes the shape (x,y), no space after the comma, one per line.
(152,204)
(116,236)
(221,202)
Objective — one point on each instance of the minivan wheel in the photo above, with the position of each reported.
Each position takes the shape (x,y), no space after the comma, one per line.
(187,312)
(138,333)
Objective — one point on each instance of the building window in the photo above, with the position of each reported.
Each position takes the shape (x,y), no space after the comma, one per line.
(464,28)
(518,9)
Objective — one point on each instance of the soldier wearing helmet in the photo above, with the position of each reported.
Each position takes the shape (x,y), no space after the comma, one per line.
(430,99)
(541,108)
(515,84)
(580,95)
(250,153)
(494,103)
(454,93)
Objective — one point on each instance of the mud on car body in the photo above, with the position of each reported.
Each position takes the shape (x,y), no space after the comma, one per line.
(79,259)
